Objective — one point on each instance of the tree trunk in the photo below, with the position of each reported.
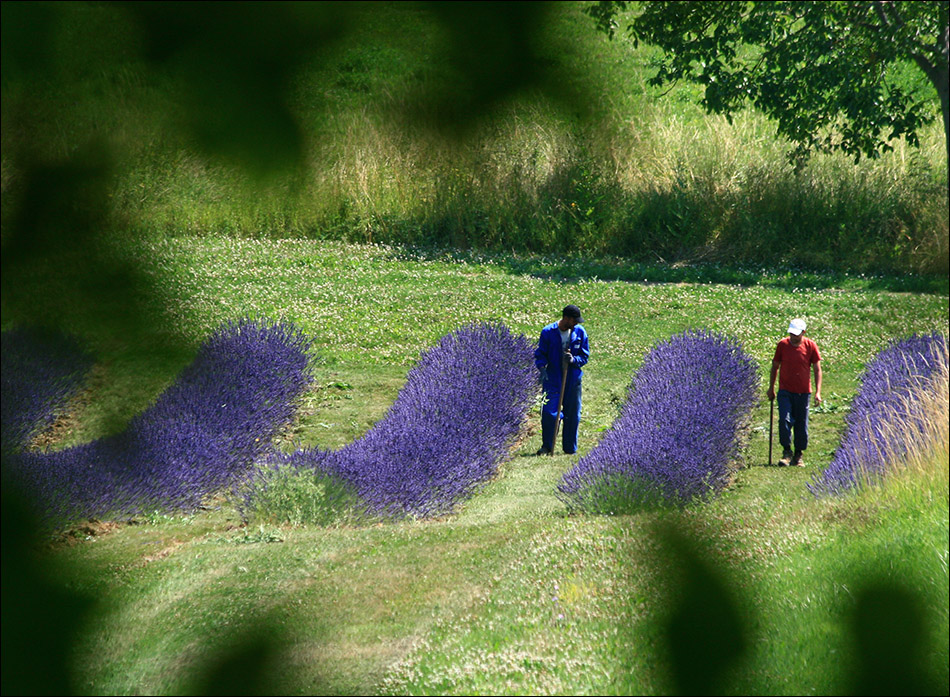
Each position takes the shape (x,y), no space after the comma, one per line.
(943,89)
(939,76)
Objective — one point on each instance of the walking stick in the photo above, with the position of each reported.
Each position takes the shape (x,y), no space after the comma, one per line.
(771,418)
(560,400)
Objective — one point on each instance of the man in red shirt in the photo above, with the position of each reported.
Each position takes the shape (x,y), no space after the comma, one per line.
(795,355)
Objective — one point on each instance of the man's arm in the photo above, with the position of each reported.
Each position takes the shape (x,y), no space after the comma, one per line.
(540,356)
(817,369)
(775,365)
(580,358)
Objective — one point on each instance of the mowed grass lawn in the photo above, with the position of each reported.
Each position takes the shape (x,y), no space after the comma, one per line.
(510,595)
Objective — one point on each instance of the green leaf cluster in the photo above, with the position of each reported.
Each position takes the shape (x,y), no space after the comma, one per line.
(833,75)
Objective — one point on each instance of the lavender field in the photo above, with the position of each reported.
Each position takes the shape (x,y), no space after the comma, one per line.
(344,498)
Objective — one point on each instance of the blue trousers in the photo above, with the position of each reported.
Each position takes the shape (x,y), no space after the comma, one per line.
(793,416)
(571,411)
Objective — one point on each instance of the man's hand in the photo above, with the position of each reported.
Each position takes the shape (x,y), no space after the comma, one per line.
(818,399)
(568,357)
(770,394)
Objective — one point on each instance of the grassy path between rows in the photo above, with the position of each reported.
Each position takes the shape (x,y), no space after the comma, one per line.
(510,596)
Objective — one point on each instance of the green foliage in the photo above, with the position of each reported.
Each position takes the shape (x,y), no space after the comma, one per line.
(832,404)
(625,495)
(831,74)
(301,497)
(262,534)
(587,158)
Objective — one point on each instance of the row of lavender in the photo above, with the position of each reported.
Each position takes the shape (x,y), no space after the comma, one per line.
(892,415)
(679,432)
(40,372)
(677,438)
(689,406)
(448,430)
(201,434)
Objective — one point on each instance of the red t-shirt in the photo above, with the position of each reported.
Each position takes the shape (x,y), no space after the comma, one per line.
(795,373)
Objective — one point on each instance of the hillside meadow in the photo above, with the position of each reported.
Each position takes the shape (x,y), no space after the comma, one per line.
(509,594)
(383,133)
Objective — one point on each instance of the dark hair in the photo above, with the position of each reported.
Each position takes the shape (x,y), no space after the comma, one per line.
(573,311)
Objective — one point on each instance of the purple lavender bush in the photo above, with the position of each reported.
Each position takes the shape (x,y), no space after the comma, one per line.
(40,371)
(201,435)
(451,425)
(888,416)
(678,433)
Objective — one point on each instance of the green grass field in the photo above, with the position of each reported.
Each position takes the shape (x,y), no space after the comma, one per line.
(510,595)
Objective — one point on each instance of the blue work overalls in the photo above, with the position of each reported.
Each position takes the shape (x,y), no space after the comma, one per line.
(548,357)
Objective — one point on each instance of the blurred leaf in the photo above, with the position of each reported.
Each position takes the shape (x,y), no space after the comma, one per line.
(62,264)
(493,49)
(245,666)
(234,68)
(890,640)
(42,617)
(706,634)
(25,37)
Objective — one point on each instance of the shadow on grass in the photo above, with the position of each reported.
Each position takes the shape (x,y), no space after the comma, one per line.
(568,269)
(707,630)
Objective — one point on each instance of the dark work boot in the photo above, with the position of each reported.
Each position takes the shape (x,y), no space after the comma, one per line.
(797,460)
(786,458)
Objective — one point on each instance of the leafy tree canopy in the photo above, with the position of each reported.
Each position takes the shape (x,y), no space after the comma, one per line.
(832,74)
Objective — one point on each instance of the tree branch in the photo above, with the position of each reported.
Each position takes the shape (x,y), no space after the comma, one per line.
(889,14)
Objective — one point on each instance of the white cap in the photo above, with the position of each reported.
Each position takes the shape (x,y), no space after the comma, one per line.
(796,326)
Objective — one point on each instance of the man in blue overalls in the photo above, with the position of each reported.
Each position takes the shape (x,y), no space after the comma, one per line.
(562,343)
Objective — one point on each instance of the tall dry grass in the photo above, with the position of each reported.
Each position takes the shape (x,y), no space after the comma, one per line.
(916,450)
(632,171)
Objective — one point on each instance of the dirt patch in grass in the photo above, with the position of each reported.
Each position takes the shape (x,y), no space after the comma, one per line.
(161,554)
(529,430)
(87,531)
(65,422)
